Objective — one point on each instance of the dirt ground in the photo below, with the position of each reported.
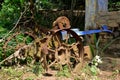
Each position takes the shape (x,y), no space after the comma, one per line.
(109,70)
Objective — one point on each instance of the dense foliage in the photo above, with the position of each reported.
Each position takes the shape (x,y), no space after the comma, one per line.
(10,12)
(114,5)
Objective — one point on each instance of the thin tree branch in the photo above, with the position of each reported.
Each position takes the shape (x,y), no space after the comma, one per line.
(1,40)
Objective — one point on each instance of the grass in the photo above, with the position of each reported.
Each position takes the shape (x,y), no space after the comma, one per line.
(20,72)
(10,74)
(65,72)
(97,48)
(35,72)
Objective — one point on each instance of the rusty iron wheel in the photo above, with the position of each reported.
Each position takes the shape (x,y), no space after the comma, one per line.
(68,51)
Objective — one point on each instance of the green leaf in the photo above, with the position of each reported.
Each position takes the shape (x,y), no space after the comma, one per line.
(6,1)
(94,70)
(108,44)
(22,2)
(2,29)
(92,50)
(95,38)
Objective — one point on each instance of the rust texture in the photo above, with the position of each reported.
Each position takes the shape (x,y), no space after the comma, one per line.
(48,48)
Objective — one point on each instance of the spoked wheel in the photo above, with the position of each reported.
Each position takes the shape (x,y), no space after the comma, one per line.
(66,50)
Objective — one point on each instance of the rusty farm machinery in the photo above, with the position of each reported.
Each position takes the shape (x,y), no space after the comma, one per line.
(60,45)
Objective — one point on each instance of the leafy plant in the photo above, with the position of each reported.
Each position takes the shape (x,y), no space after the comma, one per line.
(1,51)
(44,4)
(38,69)
(64,72)
(114,5)
(10,12)
(91,70)
(97,48)
(93,65)
(12,72)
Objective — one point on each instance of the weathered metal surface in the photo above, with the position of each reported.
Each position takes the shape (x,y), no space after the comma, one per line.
(61,22)
(50,49)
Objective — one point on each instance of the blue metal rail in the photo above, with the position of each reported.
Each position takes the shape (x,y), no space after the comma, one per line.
(104,29)
(81,33)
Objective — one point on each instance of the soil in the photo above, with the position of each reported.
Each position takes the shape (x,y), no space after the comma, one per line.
(110,68)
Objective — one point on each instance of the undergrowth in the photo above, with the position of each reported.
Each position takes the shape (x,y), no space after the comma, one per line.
(65,72)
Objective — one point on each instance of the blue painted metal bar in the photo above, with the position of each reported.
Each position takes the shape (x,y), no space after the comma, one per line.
(81,33)
(104,29)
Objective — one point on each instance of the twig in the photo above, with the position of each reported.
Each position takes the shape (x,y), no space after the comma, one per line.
(1,40)
(16,54)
